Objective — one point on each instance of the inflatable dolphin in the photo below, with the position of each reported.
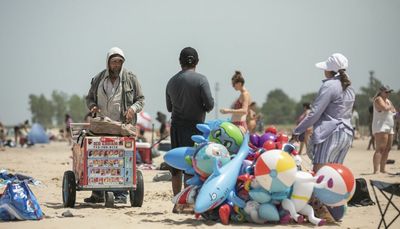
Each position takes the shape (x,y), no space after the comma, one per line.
(220,184)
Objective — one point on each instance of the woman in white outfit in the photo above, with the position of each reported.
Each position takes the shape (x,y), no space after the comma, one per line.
(382,127)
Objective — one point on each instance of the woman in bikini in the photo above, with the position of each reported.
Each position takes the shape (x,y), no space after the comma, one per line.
(240,107)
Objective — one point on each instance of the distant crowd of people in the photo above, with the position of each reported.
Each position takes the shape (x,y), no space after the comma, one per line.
(16,136)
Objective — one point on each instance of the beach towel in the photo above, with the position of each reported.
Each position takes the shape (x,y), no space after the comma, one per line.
(19,203)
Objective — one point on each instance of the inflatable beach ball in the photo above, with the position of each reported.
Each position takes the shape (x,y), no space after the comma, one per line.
(228,135)
(338,185)
(203,158)
(275,170)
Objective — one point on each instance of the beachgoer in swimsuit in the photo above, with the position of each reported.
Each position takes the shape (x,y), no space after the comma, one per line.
(382,127)
(240,107)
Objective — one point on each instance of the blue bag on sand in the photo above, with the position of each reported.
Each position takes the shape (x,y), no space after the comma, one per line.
(19,203)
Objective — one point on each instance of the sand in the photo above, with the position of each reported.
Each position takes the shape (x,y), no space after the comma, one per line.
(47,163)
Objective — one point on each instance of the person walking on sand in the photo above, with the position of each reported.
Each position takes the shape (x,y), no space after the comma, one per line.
(116,93)
(371,141)
(382,127)
(188,98)
(2,137)
(304,141)
(330,115)
(240,107)
(355,122)
(67,133)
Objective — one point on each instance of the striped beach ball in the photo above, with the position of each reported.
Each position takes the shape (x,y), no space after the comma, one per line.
(337,185)
(275,170)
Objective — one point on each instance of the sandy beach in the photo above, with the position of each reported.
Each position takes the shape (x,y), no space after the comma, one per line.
(47,163)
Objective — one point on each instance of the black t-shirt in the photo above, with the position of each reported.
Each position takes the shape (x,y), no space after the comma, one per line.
(188,97)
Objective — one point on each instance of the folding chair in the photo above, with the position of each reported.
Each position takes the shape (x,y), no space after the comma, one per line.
(386,188)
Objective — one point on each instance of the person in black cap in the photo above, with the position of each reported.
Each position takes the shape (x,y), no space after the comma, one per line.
(188,97)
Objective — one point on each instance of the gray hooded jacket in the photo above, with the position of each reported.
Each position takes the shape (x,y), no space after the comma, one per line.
(131,92)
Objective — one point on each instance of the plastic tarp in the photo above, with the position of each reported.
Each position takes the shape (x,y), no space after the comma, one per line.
(37,134)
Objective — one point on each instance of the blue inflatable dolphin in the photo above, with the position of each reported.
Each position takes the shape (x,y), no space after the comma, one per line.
(176,158)
(220,184)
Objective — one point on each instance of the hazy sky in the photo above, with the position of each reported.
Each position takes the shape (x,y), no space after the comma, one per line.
(59,45)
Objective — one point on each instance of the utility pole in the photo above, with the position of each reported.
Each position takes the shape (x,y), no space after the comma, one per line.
(216,99)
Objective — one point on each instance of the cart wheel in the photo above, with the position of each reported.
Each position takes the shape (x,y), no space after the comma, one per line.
(136,196)
(69,189)
(109,200)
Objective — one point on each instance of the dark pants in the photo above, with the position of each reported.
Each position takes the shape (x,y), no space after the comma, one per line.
(181,136)
(116,193)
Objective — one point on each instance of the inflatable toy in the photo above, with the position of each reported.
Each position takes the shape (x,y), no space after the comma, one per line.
(186,196)
(260,195)
(269,145)
(337,212)
(265,137)
(251,209)
(271,129)
(221,183)
(254,139)
(203,158)
(298,200)
(281,137)
(179,157)
(268,212)
(228,135)
(338,185)
(275,170)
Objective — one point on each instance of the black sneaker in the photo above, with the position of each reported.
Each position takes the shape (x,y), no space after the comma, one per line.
(120,200)
(93,199)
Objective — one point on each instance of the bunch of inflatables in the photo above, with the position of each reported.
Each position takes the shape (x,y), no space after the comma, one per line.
(244,178)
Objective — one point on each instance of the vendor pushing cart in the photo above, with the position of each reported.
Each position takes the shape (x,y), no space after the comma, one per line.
(115,93)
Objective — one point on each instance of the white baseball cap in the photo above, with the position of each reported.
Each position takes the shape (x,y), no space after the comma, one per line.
(334,63)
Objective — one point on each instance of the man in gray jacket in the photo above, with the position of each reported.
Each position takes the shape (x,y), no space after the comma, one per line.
(116,93)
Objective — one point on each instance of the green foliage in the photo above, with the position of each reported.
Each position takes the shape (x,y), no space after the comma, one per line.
(307,98)
(362,104)
(59,100)
(279,108)
(364,99)
(46,111)
(77,108)
(42,110)
(373,86)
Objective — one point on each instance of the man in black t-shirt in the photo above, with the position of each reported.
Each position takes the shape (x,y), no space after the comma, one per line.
(188,97)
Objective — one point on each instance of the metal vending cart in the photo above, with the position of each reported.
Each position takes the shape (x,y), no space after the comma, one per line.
(102,163)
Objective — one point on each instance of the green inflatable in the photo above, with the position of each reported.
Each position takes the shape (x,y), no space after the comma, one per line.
(228,135)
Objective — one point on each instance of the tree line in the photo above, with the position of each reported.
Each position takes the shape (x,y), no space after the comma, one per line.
(51,112)
(278,107)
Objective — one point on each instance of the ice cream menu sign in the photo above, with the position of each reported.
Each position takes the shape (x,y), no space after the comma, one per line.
(110,161)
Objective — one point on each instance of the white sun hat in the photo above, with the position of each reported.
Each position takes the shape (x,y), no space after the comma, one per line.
(335,62)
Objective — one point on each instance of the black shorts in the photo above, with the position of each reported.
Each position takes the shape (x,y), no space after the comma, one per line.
(181,136)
